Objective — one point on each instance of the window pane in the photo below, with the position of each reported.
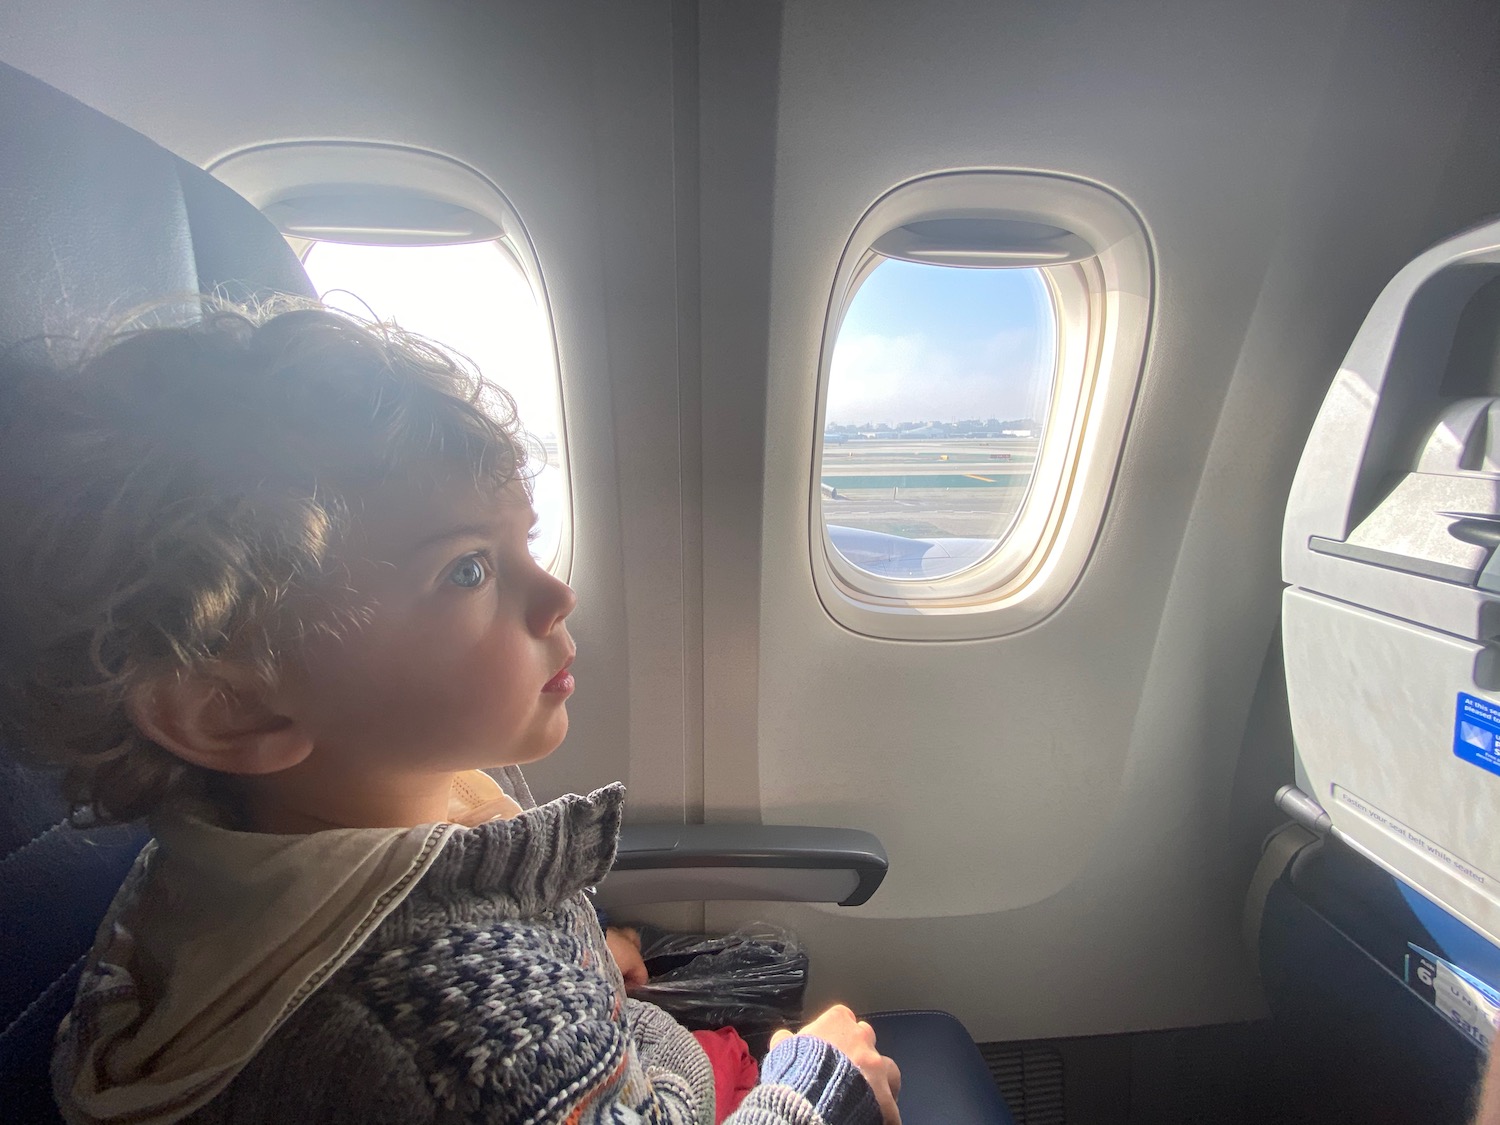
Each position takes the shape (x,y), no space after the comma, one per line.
(474,299)
(937,407)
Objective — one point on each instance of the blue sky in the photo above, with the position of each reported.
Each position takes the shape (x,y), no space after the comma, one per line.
(935,343)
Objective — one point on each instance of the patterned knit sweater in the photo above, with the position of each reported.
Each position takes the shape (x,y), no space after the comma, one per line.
(490,996)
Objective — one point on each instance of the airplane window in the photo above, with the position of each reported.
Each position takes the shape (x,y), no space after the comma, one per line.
(476,299)
(975,381)
(938,401)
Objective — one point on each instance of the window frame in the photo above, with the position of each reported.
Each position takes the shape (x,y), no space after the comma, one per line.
(271,174)
(1102,308)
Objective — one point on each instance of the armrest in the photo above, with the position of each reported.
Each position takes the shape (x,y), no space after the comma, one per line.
(764,862)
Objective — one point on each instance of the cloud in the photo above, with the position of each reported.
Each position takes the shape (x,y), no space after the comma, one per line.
(914,377)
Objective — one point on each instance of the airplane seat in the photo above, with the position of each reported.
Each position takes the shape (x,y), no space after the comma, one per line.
(101,221)
(1356,1039)
(57,881)
(944,1079)
(98,221)
(1378,911)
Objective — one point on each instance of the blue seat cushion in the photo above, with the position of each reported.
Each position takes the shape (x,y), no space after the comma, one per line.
(944,1080)
(55,882)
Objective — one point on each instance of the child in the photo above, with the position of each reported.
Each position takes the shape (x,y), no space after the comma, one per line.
(265,581)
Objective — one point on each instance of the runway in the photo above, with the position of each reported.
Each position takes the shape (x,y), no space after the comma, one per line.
(927,488)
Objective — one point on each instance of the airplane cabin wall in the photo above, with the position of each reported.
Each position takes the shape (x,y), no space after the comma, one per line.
(1057,803)
(1054,802)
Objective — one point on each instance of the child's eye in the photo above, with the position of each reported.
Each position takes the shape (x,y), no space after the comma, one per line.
(470,572)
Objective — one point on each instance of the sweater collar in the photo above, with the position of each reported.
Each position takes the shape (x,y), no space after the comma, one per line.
(528,864)
(218,936)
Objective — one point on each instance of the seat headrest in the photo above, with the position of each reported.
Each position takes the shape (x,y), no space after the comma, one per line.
(98,220)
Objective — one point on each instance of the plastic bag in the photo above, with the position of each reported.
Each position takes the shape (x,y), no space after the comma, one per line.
(751,980)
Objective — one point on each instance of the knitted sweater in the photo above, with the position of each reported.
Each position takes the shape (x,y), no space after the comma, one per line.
(490,996)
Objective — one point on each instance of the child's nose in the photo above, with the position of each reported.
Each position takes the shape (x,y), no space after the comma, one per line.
(552,601)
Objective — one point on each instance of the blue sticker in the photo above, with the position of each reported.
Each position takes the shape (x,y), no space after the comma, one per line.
(1476,732)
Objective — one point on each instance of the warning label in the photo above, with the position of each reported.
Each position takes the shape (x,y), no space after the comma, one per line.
(1433,851)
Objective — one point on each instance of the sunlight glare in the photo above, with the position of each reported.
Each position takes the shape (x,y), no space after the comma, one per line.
(474,299)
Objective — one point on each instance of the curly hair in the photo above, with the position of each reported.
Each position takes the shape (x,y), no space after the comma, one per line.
(177,495)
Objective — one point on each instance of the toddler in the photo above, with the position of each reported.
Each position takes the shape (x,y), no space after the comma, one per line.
(265,582)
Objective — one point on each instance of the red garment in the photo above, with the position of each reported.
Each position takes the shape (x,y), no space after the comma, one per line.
(735,1072)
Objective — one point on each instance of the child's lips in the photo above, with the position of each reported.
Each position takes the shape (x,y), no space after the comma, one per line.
(562,682)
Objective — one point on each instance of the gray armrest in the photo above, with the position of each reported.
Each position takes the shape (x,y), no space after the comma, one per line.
(770,862)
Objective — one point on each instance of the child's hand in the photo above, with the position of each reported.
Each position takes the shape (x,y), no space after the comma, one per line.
(839,1027)
(625,946)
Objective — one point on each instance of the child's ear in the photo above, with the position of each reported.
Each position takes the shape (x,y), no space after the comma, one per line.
(219,718)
